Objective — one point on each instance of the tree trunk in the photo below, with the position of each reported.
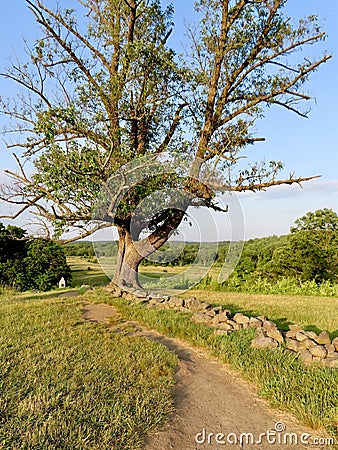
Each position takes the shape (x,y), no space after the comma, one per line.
(131,253)
(128,261)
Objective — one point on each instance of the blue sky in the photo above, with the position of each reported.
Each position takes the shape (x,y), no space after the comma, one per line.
(306,146)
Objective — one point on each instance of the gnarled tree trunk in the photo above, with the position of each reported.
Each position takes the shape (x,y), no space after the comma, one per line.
(128,260)
(132,252)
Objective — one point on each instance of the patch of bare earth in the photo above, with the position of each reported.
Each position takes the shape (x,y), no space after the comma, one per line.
(214,407)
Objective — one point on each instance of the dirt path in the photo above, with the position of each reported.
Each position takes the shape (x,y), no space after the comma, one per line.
(210,397)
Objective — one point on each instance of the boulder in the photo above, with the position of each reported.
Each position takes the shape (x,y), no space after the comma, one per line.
(306,357)
(154,295)
(332,361)
(323,338)
(139,300)
(267,324)
(300,336)
(262,318)
(335,343)
(199,317)
(294,329)
(140,293)
(310,334)
(176,302)
(221,317)
(307,343)
(205,306)
(193,303)
(263,342)
(294,345)
(318,351)
(225,326)
(255,323)
(240,318)
(275,334)
(330,349)
(217,309)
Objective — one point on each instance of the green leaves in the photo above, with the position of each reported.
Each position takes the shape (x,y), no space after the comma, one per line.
(30,263)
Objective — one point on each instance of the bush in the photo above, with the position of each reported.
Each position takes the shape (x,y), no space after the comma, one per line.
(30,263)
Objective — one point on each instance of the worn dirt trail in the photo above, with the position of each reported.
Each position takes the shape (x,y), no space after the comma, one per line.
(208,396)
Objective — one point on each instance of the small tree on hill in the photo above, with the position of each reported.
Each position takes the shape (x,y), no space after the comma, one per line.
(102,88)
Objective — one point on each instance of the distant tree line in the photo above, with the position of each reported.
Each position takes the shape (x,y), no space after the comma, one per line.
(30,263)
(308,253)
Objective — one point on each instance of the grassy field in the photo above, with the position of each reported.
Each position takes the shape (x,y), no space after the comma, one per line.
(66,384)
(313,313)
(309,393)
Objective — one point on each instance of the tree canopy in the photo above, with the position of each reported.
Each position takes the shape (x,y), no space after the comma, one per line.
(105,96)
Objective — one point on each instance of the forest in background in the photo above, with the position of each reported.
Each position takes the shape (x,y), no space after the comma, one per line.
(307,257)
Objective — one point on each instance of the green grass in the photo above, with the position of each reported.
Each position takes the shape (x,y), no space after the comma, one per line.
(67,384)
(310,393)
(86,272)
(313,313)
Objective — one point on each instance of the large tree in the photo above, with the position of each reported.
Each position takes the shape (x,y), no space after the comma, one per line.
(104,96)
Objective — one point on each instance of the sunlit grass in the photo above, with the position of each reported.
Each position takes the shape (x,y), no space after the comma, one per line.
(310,393)
(67,384)
(315,313)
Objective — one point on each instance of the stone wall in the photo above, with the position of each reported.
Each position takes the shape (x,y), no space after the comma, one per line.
(306,345)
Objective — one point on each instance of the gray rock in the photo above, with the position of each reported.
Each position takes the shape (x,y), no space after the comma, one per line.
(267,324)
(294,345)
(332,361)
(255,323)
(225,326)
(310,334)
(199,317)
(240,318)
(323,338)
(193,303)
(307,343)
(306,357)
(217,309)
(262,342)
(318,350)
(222,317)
(335,343)
(330,349)
(140,293)
(262,318)
(300,336)
(205,306)
(275,334)
(176,302)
